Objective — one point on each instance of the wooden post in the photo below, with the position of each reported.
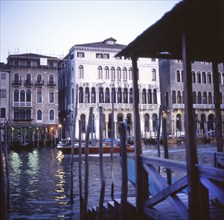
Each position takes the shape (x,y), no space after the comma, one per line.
(158,134)
(80,172)
(124,172)
(85,202)
(102,191)
(166,153)
(191,151)
(137,140)
(218,117)
(112,145)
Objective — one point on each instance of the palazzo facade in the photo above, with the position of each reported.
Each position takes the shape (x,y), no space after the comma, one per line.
(92,75)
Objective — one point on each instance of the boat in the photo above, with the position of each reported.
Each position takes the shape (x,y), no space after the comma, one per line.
(93,149)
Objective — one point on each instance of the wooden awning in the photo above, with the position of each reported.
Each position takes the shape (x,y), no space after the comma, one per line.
(201,20)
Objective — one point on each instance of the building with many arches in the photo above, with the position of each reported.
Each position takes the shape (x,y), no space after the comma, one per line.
(92,75)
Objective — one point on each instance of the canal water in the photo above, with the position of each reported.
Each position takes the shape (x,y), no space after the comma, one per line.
(40,181)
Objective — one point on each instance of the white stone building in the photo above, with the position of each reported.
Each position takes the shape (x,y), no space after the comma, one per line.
(92,74)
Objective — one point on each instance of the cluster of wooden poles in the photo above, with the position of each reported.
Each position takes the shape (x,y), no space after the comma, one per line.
(4,174)
(83,193)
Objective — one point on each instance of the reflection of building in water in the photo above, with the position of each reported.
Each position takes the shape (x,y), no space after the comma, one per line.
(172,87)
(101,80)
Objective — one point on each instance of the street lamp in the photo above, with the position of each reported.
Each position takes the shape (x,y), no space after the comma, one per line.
(60,127)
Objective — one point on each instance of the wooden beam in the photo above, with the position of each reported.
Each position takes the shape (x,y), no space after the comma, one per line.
(137,139)
(191,151)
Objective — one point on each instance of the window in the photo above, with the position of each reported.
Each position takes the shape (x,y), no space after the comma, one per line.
(87,95)
(16,77)
(174,97)
(100,72)
(209,78)
(146,118)
(39,96)
(178,75)
(28,96)
(81,72)
(107,76)
(83,123)
(80,54)
(51,114)
(154,122)
(112,73)
(210,98)
(39,115)
(2,93)
(80,95)
(101,96)
(131,96)
(51,78)
(155,96)
(16,95)
(3,76)
(119,73)
(125,95)
(204,98)
(119,96)
(93,95)
(198,77)
(144,96)
(28,78)
(130,73)
(2,113)
(22,96)
(99,55)
(51,96)
(178,122)
(124,73)
(153,75)
(193,77)
(203,77)
(39,77)
(106,56)
(150,96)
(199,98)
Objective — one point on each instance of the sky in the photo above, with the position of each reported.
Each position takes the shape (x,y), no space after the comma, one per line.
(52,27)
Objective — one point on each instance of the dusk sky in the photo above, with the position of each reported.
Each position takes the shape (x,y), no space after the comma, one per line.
(53,27)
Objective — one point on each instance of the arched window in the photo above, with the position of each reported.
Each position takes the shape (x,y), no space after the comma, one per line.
(178,75)
(22,114)
(130,73)
(39,96)
(22,96)
(16,78)
(101,95)
(119,96)
(199,98)
(87,95)
(16,95)
(209,78)
(182,75)
(125,73)
(119,73)
(28,96)
(167,99)
(81,72)
(203,77)
(155,96)
(204,97)
(198,77)
(125,95)
(153,75)
(202,123)
(154,122)
(144,96)
(210,98)
(193,77)
(112,70)
(100,72)
(131,95)
(149,96)
(146,118)
(51,96)
(211,120)
(51,114)
(80,95)
(107,95)
(39,115)
(174,97)
(93,95)
(178,122)
(39,78)
(51,78)
(178,97)
(107,75)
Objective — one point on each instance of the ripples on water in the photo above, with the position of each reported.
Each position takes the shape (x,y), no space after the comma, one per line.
(40,181)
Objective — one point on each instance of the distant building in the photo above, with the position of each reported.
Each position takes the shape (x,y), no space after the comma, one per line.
(172,87)
(91,74)
(33,97)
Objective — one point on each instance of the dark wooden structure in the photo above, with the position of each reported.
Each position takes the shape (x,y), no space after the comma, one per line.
(191,31)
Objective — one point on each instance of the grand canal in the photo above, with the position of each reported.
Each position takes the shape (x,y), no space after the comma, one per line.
(40,181)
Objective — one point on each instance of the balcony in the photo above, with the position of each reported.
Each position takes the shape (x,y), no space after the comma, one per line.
(17,82)
(28,83)
(51,83)
(22,104)
(39,83)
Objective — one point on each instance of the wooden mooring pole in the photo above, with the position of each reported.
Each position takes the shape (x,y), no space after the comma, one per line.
(102,178)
